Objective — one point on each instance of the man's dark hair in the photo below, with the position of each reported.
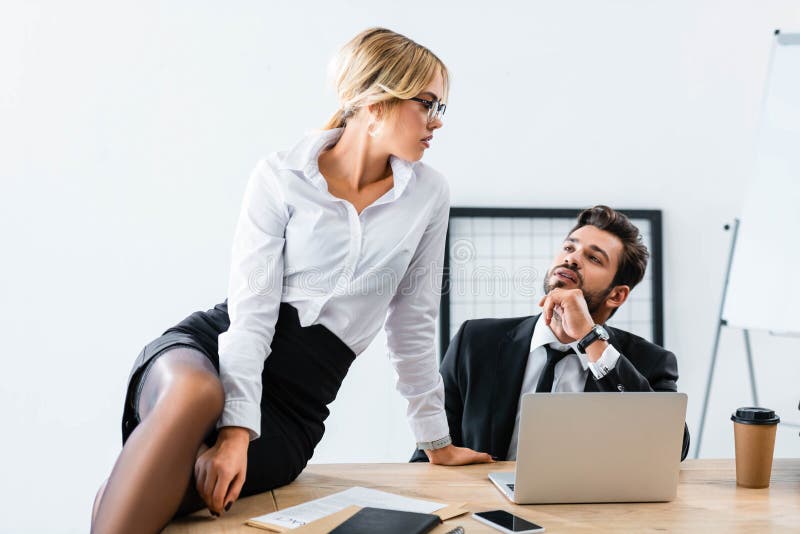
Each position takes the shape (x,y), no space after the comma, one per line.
(633,261)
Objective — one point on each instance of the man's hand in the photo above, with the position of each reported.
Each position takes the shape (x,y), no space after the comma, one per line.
(570,305)
(452,455)
(220,471)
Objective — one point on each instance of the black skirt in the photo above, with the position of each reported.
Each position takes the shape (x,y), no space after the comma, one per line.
(301,376)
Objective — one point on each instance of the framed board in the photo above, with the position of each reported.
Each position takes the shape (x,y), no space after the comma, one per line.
(496,260)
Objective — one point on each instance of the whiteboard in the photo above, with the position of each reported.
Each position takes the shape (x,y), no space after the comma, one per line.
(764,286)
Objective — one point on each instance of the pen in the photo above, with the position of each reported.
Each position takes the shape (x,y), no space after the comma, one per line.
(457,530)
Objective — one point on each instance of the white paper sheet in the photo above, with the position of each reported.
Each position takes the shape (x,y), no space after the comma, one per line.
(299,515)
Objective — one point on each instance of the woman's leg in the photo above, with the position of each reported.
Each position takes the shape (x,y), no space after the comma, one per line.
(180,401)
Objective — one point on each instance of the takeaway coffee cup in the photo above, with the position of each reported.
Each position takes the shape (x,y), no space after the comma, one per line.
(754,432)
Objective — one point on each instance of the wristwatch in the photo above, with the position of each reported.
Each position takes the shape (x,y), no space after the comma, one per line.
(597,332)
(435,444)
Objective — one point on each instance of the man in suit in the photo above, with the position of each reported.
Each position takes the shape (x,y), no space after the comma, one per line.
(491,363)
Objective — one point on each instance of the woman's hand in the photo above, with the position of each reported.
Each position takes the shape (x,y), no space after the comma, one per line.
(452,455)
(220,471)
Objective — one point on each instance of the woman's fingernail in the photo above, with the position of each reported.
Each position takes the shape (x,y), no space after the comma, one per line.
(228,506)
(495,458)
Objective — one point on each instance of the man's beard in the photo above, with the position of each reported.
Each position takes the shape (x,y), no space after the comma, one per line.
(594,299)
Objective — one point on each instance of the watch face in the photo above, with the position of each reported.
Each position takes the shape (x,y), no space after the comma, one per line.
(602,332)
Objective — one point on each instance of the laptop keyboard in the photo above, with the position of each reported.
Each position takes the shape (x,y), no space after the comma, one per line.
(510,486)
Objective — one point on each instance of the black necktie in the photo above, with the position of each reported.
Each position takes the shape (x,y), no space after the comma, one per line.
(554,356)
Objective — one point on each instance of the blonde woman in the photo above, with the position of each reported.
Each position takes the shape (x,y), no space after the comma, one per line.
(336,235)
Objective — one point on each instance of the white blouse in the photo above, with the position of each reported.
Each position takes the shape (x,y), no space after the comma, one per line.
(297,243)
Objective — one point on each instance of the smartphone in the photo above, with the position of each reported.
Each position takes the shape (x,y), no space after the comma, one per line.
(506,522)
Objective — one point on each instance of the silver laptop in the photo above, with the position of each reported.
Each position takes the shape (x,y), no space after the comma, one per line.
(597,447)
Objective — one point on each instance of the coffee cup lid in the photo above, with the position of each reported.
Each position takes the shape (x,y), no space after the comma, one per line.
(752,415)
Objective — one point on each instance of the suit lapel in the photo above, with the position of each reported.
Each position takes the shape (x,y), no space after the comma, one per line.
(591,384)
(512,358)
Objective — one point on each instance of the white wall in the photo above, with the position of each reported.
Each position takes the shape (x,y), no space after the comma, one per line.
(127,132)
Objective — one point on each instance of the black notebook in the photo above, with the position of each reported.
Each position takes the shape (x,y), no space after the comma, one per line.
(372,520)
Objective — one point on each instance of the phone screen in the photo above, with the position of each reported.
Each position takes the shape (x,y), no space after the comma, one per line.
(508,521)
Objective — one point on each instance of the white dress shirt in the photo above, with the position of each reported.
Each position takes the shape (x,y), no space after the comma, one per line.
(569,375)
(297,243)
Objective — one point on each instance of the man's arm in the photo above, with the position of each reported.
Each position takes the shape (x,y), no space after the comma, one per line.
(625,377)
(611,370)
(453,401)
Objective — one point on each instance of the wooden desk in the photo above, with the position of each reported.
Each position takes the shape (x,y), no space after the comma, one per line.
(708,499)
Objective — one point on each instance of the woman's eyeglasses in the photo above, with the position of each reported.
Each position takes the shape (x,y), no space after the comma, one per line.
(435,108)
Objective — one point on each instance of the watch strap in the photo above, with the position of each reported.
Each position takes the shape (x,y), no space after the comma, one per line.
(597,332)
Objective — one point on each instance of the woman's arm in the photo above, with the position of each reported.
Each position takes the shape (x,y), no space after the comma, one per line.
(254,293)
(411,330)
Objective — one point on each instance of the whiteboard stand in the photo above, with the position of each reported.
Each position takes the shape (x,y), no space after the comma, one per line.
(720,323)
(770,212)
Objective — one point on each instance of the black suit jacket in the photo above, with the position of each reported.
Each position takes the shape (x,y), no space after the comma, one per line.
(485,364)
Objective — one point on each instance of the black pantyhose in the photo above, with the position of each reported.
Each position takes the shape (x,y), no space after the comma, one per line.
(181,400)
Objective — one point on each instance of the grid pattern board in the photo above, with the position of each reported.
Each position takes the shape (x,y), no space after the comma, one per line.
(497,260)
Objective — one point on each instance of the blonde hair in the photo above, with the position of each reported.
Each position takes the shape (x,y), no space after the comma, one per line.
(379,66)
